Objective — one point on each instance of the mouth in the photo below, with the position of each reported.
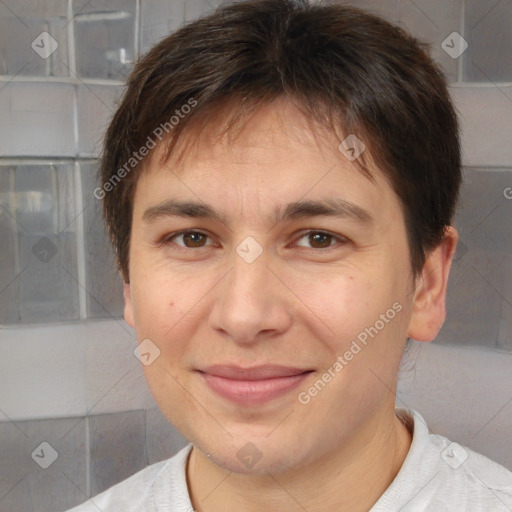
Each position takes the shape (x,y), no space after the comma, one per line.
(252,386)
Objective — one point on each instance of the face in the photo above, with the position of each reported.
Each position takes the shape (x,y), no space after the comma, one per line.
(280,303)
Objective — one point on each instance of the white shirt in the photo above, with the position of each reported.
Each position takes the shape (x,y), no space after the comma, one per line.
(436,476)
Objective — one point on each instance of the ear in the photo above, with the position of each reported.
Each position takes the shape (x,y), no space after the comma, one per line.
(428,309)
(128,308)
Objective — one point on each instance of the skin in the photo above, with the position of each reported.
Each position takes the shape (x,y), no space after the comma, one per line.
(300,303)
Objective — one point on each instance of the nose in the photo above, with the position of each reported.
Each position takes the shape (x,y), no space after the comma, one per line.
(251,303)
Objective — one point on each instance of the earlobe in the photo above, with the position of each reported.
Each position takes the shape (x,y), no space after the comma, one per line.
(128,308)
(428,308)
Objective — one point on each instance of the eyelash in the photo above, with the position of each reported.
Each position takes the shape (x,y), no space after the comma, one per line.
(169,239)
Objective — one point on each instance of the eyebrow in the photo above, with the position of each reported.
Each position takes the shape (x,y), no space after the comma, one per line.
(299,209)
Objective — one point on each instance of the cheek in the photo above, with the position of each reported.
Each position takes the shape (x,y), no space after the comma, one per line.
(169,307)
(157,305)
(350,310)
(339,304)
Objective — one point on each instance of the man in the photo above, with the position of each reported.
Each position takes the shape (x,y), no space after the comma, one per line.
(279,183)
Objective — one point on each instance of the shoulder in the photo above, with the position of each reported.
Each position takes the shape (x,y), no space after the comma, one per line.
(441,475)
(477,481)
(141,491)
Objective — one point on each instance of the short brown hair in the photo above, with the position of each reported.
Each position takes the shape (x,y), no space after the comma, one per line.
(345,67)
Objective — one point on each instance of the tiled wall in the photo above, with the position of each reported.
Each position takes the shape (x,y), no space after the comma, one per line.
(91,454)
(479,303)
(58,264)
(57,92)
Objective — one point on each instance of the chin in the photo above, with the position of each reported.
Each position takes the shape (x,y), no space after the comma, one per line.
(260,457)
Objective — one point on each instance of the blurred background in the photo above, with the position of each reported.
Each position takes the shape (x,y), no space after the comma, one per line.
(68,374)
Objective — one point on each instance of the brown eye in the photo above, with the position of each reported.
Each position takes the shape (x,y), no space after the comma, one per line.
(320,240)
(194,239)
(190,239)
(317,240)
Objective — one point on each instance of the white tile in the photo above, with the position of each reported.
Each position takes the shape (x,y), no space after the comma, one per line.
(70,370)
(486,123)
(42,371)
(37,119)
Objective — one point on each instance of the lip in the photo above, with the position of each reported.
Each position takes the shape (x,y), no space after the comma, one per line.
(252,386)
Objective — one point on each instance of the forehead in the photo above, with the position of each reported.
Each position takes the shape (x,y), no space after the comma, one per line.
(276,155)
(264,132)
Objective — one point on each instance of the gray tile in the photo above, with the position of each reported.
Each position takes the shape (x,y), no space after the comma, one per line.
(494,439)
(96,106)
(15,462)
(194,9)
(47,290)
(159,19)
(385,8)
(489,55)
(473,309)
(504,340)
(103,283)
(8,228)
(479,301)
(163,440)
(432,21)
(118,448)
(39,492)
(37,119)
(28,9)
(21,24)
(105,37)
(24,479)
(464,394)
(35,201)
(38,207)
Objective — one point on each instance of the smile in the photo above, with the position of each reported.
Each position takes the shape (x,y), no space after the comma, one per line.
(254,387)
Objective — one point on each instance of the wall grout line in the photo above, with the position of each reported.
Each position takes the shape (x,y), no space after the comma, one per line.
(138,30)
(462,28)
(71,40)
(56,199)
(12,211)
(62,79)
(87,458)
(80,243)
(57,160)
(79,228)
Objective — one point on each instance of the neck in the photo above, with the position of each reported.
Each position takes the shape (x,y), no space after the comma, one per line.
(351,477)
